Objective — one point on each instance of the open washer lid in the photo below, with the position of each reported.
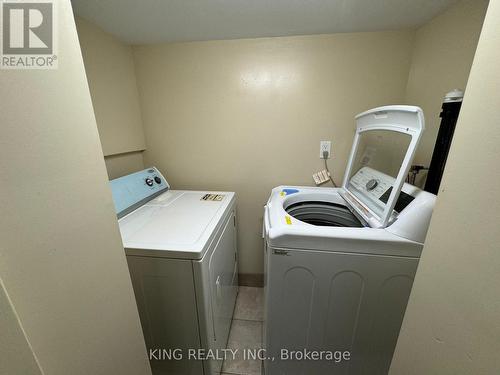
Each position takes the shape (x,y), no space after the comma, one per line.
(384,146)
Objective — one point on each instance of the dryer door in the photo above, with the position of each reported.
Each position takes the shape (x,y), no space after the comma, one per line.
(223,281)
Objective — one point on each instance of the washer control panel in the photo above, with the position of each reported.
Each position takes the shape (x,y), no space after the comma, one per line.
(371,183)
(373,188)
(133,190)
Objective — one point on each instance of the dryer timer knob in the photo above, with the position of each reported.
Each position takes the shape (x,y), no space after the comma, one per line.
(372,184)
(149,181)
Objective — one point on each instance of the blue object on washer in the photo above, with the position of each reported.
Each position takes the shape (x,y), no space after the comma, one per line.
(290,191)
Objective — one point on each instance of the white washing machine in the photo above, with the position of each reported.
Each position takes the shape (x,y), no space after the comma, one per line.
(340,262)
(181,252)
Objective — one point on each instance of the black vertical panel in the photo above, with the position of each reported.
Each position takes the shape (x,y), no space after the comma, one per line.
(449,115)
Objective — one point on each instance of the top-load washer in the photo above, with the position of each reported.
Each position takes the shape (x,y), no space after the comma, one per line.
(181,252)
(340,262)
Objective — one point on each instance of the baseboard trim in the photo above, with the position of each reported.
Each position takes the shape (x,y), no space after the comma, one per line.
(251,279)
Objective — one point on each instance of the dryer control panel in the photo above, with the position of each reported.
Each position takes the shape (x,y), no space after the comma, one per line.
(133,190)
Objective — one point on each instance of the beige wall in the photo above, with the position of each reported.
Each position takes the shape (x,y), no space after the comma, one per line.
(16,356)
(452,325)
(441,61)
(248,115)
(122,164)
(110,73)
(62,262)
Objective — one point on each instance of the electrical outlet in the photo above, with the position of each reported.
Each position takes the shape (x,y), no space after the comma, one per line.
(325,146)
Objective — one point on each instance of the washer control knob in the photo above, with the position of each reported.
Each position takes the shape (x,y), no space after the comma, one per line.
(157,180)
(149,181)
(372,184)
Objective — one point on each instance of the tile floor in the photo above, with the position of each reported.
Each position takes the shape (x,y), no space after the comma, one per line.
(246,331)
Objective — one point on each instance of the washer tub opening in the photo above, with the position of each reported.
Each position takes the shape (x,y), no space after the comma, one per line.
(327,214)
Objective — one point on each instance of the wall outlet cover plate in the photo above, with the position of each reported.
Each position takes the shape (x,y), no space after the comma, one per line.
(325,146)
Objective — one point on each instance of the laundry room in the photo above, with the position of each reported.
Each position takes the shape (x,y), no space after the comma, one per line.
(249,187)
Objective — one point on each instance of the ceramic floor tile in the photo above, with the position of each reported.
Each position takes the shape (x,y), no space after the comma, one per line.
(249,304)
(244,335)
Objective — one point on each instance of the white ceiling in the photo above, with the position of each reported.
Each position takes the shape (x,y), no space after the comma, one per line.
(153,21)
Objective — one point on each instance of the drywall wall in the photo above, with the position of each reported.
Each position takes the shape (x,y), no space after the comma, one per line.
(441,61)
(110,73)
(248,115)
(122,164)
(61,258)
(451,325)
(16,356)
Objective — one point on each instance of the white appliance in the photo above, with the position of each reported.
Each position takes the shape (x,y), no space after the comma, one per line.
(181,252)
(340,262)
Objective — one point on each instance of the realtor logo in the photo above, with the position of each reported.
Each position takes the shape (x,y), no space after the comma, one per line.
(28,35)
